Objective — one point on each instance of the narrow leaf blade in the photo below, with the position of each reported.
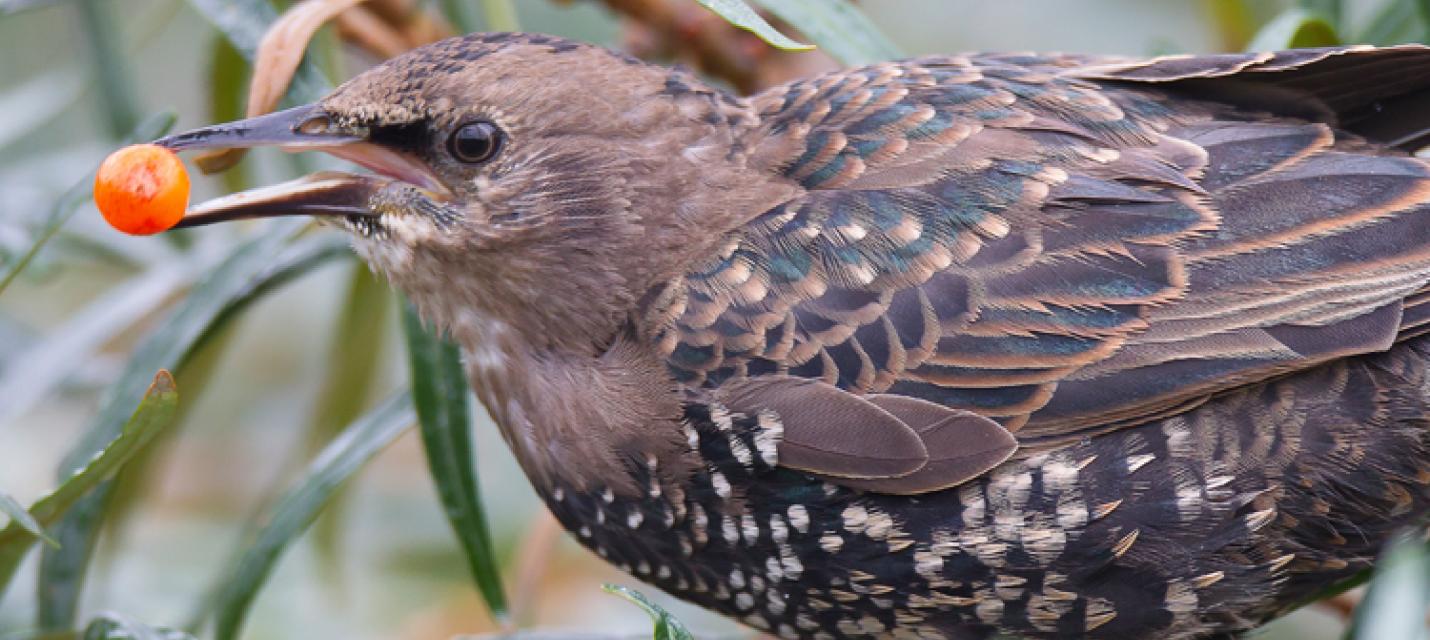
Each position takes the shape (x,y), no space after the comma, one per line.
(115,80)
(302,503)
(20,516)
(439,389)
(351,373)
(155,414)
(1332,10)
(253,268)
(1294,28)
(113,626)
(667,627)
(462,14)
(1396,22)
(500,15)
(34,373)
(243,22)
(742,15)
(1399,594)
(838,27)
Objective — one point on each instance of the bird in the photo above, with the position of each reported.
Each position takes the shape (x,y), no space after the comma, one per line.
(951,347)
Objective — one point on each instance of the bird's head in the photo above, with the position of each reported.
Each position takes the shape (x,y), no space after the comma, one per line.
(523,178)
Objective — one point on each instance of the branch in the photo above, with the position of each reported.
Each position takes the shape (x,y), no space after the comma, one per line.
(684,31)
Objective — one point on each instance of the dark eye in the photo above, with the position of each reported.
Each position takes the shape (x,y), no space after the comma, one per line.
(475,142)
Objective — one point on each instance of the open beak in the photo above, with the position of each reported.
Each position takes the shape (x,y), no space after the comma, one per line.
(328,193)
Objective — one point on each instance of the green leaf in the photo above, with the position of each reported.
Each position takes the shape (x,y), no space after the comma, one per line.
(302,503)
(252,269)
(500,15)
(462,14)
(439,388)
(351,374)
(129,489)
(120,103)
(12,7)
(34,103)
(666,626)
(154,415)
(228,84)
(151,128)
(1332,10)
(352,354)
(32,373)
(1295,28)
(742,15)
(113,626)
(19,515)
(1233,21)
(838,27)
(1399,595)
(1396,22)
(326,48)
(243,22)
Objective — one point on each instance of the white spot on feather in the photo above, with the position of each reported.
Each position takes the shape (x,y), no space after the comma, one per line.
(750,528)
(798,518)
(793,568)
(720,483)
(744,601)
(1138,461)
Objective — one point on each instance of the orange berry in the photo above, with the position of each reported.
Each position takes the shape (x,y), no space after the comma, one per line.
(142,189)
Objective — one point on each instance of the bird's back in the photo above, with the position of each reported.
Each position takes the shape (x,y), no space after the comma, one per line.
(1072,245)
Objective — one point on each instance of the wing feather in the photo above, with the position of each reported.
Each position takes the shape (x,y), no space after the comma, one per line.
(1067,245)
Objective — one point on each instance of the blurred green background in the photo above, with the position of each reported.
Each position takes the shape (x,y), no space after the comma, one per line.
(262,397)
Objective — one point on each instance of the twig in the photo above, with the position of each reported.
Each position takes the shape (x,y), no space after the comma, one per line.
(533,558)
(360,26)
(688,33)
(1343,605)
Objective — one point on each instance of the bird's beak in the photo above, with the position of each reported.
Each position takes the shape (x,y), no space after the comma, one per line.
(329,193)
(295,129)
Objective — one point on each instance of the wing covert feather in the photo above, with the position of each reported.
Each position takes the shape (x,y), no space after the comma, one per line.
(1065,251)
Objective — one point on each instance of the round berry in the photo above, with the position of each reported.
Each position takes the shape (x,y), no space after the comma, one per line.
(142,189)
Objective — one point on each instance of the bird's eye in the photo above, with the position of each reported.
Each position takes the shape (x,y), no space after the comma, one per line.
(475,142)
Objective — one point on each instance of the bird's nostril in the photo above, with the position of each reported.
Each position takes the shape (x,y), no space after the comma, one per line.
(316,125)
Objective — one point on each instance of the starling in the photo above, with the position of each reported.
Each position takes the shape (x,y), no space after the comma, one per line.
(952,347)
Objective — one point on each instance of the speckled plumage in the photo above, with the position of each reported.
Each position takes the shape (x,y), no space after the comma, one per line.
(1208,522)
(1055,346)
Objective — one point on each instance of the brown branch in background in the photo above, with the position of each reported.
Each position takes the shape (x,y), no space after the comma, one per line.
(282,48)
(1343,605)
(533,558)
(384,28)
(686,32)
(365,29)
(679,30)
(274,63)
(414,20)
